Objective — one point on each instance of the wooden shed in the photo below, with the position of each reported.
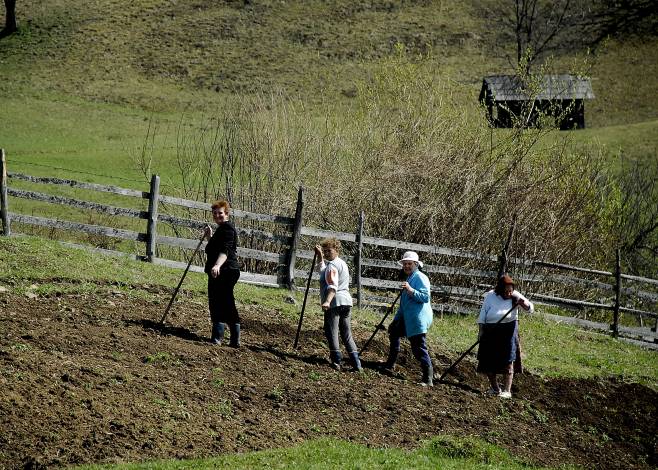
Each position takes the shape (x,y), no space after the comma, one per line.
(562,96)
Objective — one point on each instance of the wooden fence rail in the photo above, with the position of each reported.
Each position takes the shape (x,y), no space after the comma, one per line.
(457,286)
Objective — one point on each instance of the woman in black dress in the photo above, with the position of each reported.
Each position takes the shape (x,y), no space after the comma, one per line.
(223,272)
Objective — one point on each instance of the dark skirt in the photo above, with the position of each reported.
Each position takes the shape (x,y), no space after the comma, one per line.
(499,347)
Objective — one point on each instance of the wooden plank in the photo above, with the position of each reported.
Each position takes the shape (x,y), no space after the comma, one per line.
(638,312)
(435,269)
(430,249)
(626,330)
(279,258)
(96,229)
(590,283)
(81,185)
(320,233)
(440,308)
(572,268)
(640,279)
(249,253)
(177,264)
(577,303)
(574,281)
(277,219)
(245,277)
(196,224)
(180,242)
(103,208)
(444,291)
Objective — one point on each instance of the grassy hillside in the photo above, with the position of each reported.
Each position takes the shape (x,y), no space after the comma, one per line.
(81,80)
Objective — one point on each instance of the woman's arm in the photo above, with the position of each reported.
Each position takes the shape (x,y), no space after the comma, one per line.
(331,277)
(419,290)
(523,302)
(214,271)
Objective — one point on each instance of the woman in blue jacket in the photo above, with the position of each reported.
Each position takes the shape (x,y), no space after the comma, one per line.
(413,318)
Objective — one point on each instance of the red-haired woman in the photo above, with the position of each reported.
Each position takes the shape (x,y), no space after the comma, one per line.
(499,340)
(223,272)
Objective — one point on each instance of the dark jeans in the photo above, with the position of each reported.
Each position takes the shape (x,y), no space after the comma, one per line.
(221,300)
(419,349)
(337,320)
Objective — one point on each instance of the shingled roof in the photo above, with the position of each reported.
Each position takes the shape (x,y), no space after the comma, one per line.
(553,87)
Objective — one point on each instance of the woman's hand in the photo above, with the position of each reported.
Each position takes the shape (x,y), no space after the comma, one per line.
(318,252)
(405,285)
(325,306)
(214,271)
(207,232)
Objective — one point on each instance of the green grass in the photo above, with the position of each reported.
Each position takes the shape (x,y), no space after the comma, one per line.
(635,141)
(443,452)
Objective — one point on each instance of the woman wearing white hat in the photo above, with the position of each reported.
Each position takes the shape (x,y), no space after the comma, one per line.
(413,318)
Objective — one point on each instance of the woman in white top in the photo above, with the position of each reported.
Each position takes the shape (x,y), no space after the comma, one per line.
(499,340)
(336,302)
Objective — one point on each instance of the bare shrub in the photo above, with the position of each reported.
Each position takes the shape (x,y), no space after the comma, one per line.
(422,166)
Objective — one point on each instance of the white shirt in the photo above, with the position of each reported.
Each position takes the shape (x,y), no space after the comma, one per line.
(495,307)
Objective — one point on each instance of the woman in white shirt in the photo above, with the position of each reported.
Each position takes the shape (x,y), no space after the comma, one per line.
(499,340)
(336,302)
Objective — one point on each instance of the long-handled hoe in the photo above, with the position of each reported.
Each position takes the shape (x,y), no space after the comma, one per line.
(173,297)
(390,309)
(308,284)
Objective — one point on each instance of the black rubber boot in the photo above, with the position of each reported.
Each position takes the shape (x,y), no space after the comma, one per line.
(428,375)
(336,358)
(356,362)
(235,335)
(389,365)
(217,333)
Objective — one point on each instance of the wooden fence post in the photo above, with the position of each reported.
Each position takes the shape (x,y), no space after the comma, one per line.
(4,198)
(615,324)
(357,258)
(152,222)
(296,232)
(502,258)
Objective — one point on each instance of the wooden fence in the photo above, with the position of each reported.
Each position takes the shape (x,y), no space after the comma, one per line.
(277,251)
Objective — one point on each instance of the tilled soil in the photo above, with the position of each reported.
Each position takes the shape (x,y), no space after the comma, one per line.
(93,378)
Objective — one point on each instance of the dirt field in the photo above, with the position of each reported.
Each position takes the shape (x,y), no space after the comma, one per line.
(93,379)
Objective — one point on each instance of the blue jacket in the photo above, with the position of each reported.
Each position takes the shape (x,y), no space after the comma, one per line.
(415,308)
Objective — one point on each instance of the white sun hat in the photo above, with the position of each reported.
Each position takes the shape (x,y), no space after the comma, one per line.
(410,256)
